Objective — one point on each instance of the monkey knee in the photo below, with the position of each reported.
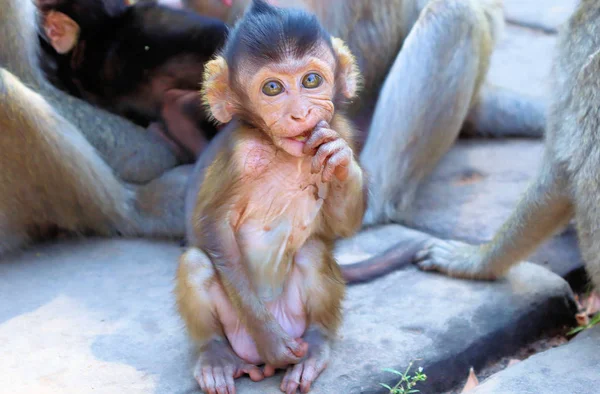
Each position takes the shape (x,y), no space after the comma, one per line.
(195,268)
(460,20)
(195,259)
(313,252)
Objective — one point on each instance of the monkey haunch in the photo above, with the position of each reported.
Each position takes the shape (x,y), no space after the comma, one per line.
(567,185)
(260,284)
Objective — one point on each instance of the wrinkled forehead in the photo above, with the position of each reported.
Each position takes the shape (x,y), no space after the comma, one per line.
(320,57)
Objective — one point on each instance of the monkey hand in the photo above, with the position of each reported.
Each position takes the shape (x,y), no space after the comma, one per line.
(278,350)
(331,153)
(456,259)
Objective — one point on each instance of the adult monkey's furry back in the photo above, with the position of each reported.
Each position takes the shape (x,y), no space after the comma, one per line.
(60,157)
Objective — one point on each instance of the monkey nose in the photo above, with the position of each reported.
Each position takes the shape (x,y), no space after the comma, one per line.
(300,116)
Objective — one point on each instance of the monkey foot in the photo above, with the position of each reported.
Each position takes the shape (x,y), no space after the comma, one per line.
(218,366)
(454,258)
(302,375)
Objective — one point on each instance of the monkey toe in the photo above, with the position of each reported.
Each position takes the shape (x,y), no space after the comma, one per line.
(216,380)
(301,376)
(269,371)
(291,380)
(254,372)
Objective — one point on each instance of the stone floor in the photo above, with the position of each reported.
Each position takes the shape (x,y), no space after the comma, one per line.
(571,368)
(97,316)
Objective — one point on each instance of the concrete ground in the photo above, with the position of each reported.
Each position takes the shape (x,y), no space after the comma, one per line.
(97,315)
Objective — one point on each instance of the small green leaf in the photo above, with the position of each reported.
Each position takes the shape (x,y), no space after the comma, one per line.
(595,320)
(386,386)
(575,330)
(392,371)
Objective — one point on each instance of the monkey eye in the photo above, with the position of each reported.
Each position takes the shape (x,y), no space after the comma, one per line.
(272,88)
(312,81)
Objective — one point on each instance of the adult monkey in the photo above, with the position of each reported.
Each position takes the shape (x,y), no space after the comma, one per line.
(427,60)
(51,175)
(566,186)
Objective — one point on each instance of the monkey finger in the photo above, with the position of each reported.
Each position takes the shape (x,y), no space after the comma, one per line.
(200,379)
(427,265)
(322,124)
(220,383)
(229,381)
(421,255)
(324,152)
(208,378)
(308,375)
(338,165)
(319,137)
(424,252)
(292,382)
(300,348)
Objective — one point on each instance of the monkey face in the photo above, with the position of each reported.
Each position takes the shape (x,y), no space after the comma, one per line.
(291,97)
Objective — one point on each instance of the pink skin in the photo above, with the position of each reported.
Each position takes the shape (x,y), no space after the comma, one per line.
(288,311)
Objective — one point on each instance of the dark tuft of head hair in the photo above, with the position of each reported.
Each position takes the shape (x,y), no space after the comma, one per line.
(267,34)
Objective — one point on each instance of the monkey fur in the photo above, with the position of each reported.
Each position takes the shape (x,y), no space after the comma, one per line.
(54,175)
(566,186)
(419,101)
(144,62)
(284,187)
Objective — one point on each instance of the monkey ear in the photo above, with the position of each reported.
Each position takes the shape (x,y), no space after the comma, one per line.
(349,75)
(62,31)
(215,90)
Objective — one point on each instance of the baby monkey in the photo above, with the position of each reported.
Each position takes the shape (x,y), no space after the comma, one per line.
(144,62)
(259,284)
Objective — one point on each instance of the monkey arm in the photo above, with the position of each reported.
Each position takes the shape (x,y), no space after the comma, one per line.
(345,204)
(545,208)
(227,258)
(275,347)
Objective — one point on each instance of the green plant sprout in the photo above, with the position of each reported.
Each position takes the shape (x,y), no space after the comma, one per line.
(407,383)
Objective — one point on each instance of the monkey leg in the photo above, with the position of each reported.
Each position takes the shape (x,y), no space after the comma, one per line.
(199,300)
(60,179)
(503,113)
(587,218)
(544,209)
(324,290)
(129,150)
(423,103)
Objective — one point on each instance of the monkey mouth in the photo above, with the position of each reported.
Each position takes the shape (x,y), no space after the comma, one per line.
(302,136)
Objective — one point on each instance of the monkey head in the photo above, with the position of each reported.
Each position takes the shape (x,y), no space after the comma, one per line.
(64,20)
(280,72)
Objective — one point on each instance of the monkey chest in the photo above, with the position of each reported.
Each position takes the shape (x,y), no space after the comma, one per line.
(284,208)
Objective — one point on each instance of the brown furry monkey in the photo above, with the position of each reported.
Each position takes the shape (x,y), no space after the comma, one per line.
(568,184)
(259,284)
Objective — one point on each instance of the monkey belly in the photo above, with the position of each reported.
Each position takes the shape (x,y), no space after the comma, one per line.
(288,310)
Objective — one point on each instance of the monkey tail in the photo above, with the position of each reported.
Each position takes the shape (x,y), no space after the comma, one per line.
(398,256)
